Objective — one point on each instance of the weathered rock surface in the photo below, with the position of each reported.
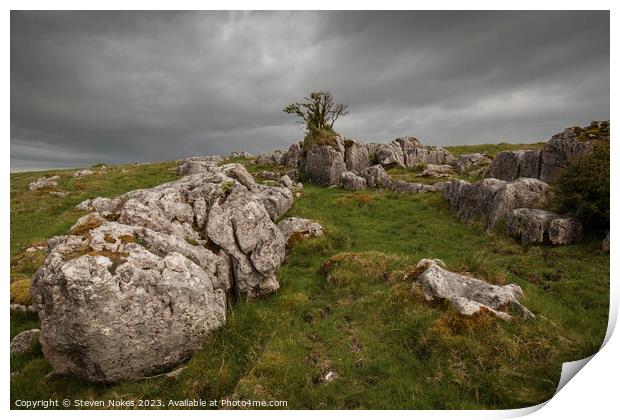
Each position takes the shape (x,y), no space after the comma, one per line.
(243,154)
(511,165)
(535,226)
(565,231)
(23,341)
(356,155)
(44,182)
(197,164)
(83,172)
(351,181)
(324,163)
(438,171)
(135,289)
(415,153)
(296,227)
(390,155)
(571,144)
(467,162)
(292,156)
(272,158)
(415,187)
(376,177)
(469,295)
(492,199)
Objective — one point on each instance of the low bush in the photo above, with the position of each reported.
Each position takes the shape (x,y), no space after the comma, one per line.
(582,189)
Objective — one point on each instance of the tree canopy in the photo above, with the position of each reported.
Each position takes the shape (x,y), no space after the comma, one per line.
(319,111)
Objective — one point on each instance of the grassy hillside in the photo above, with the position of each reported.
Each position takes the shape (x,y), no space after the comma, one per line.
(493,149)
(346,306)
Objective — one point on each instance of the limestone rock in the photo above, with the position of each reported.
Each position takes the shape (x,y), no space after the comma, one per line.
(350,181)
(244,155)
(511,165)
(296,227)
(376,177)
(59,193)
(571,144)
(273,158)
(530,226)
(467,162)
(292,156)
(356,155)
(23,341)
(564,231)
(469,295)
(390,155)
(83,172)
(197,164)
(138,284)
(492,199)
(44,182)
(325,163)
(438,171)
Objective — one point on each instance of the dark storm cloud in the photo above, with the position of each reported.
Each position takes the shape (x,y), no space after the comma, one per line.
(91,87)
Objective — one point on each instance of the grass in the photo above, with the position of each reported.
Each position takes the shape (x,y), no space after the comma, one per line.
(492,149)
(346,305)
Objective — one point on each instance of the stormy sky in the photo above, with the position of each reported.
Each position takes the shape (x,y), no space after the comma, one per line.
(113,87)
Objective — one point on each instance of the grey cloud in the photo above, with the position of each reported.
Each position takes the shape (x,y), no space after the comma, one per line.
(88,87)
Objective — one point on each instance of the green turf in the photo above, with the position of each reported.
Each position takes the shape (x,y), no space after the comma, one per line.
(358,315)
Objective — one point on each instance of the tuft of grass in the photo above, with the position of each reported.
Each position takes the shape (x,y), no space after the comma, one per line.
(20,291)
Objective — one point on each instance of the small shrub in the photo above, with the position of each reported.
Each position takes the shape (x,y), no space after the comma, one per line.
(20,291)
(325,137)
(227,186)
(582,189)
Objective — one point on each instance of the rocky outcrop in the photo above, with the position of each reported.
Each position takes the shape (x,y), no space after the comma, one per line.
(511,165)
(197,164)
(415,187)
(292,156)
(324,163)
(467,162)
(351,181)
(356,155)
(469,295)
(390,155)
(438,171)
(492,199)
(376,177)
(83,172)
(44,182)
(294,228)
(415,153)
(136,288)
(272,158)
(569,145)
(535,226)
(558,152)
(244,155)
(23,341)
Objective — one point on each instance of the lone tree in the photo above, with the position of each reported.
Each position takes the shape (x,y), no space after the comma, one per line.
(319,112)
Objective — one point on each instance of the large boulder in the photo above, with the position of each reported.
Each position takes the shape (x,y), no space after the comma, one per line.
(469,295)
(376,177)
(324,163)
(197,164)
(562,149)
(356,155)
(135,290)
(536,226)
(467,162)
(351,181)
(511,165)
(390,155)
(44,182)
(492,199)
